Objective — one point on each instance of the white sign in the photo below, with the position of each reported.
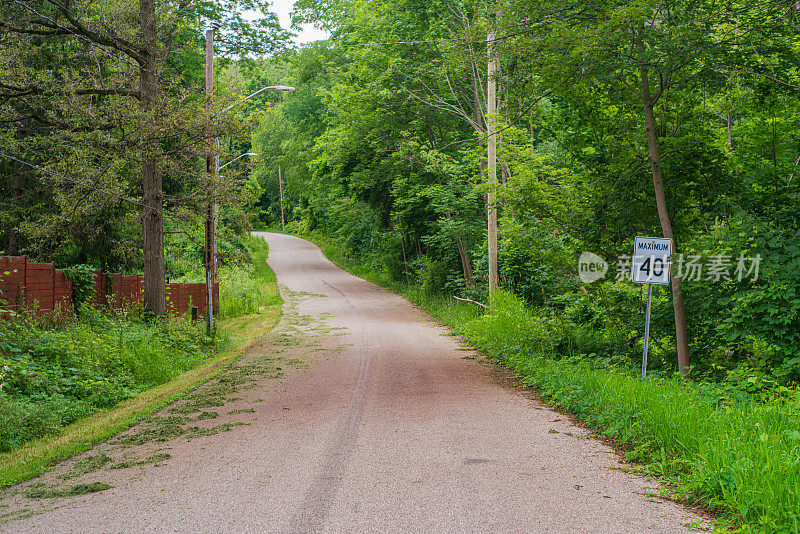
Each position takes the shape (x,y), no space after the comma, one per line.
(651,260)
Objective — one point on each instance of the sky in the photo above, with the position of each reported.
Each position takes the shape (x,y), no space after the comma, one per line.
(283,8)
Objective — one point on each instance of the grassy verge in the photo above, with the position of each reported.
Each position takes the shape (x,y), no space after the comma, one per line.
(247,288)
(237,333)
(741,458)
(738,457)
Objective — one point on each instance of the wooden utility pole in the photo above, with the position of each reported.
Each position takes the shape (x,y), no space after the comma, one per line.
(211,165)
(491,205)
(280,184)
(155,296)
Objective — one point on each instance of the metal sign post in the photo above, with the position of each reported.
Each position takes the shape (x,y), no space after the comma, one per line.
(646,330)
(650,266)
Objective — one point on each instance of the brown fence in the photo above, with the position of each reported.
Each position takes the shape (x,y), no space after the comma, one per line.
(43,288)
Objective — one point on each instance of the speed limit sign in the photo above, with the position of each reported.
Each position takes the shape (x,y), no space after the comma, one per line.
(651,263)
(650,266)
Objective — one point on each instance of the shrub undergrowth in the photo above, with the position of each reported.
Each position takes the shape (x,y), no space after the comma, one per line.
(244,286)
(54,372)
(57,373)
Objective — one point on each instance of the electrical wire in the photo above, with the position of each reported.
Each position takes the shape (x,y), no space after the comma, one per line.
(84,184)
(432,41)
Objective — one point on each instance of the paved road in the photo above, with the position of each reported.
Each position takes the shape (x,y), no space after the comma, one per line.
(398,430)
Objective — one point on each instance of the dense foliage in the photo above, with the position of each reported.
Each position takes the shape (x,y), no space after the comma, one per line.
(77,127)
(56,374)
(383,148)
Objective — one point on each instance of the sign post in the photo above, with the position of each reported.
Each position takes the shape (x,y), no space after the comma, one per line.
(650,266)
(646,330)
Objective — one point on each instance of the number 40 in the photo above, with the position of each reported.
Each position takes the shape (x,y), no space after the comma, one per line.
(657,266)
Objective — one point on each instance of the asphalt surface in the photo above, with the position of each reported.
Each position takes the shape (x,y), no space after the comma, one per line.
(395,428)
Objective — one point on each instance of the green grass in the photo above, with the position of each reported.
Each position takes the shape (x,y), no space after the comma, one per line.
(734,455)
(56,374)
(125,357)
(246,288)
(741,458)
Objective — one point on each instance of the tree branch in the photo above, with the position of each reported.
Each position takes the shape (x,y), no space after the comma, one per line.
(116,43)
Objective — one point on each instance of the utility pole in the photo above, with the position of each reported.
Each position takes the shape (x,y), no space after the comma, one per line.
(280,184)
(212,164)
(491,205)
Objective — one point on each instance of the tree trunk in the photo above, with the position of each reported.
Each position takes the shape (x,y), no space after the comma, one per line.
(405,259)
(466,264)
(19,191)
(666,225)
(729,116)
(152,215)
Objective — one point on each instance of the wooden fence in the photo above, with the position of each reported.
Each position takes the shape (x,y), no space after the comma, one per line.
(43,288)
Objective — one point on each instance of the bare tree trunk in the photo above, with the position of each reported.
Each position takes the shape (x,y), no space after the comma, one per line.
(477,110)
(13,247)
(152,215)
(648,101)
(774,138)
(405,259)
(729,116)
(466,265)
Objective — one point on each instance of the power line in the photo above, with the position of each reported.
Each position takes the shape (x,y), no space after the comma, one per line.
(391,43)
(433,41)
(84,184)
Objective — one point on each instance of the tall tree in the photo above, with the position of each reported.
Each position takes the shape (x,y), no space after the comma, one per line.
(65,93)
(152,212)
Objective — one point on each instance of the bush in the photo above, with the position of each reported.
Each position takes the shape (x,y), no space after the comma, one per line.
(82,277)
(56,374)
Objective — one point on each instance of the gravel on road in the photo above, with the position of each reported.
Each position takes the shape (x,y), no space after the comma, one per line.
(375,419)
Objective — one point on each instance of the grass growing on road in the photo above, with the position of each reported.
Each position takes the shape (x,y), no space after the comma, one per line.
(740,457)
(63,384)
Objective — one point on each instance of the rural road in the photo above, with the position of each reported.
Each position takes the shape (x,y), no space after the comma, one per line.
(394,427)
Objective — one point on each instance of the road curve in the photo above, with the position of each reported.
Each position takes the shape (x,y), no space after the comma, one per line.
(398,430)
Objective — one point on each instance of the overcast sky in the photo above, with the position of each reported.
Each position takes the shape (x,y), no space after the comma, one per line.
(308,34)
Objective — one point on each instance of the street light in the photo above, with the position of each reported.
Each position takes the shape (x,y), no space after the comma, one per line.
(275,87)
(213,167)
(236,159)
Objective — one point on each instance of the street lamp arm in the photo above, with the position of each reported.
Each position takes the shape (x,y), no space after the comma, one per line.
(276,87)
(236,159)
